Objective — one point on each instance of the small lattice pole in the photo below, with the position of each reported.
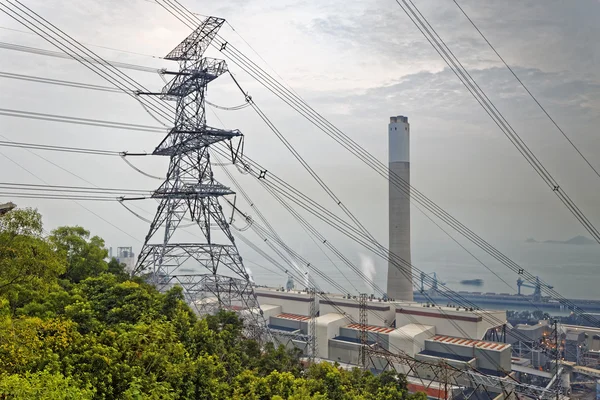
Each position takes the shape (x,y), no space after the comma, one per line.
(313,348)
(363,322)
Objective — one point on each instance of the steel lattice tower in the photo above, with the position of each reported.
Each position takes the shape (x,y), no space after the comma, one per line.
(191,193)
(312,334)
(363,318)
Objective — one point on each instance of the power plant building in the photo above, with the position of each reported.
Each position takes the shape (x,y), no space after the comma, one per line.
(424,331)
(396,324)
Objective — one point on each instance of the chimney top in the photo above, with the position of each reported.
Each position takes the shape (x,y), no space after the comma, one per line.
(399,118)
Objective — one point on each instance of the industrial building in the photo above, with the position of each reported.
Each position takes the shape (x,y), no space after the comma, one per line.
(394,330)
(426,332)
(125,256)
(393,325)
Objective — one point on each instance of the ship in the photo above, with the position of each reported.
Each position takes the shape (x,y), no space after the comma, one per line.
(472,282)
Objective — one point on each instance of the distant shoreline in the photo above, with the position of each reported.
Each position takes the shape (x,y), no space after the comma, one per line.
(577,240)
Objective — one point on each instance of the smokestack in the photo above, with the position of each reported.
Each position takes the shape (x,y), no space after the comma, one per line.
(399,283)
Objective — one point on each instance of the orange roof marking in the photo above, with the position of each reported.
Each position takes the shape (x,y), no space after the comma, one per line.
(293,317)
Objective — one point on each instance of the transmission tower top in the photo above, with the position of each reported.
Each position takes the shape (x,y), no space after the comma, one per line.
(194,46)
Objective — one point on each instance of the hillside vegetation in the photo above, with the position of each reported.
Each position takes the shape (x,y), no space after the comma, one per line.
(73,326)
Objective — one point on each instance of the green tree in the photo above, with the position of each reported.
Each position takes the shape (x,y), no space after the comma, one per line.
(22,222)
(42,386)
(28,266)
(85,256)
(118,269)
(99,334)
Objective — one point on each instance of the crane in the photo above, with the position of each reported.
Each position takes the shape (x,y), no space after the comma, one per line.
(537,288)
(434,284)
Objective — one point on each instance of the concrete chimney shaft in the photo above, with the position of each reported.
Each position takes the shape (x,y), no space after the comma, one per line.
(399,282)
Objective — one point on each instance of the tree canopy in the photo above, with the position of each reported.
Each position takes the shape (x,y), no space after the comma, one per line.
(73,326)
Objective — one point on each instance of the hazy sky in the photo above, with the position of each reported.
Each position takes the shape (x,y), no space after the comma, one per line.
(356,62)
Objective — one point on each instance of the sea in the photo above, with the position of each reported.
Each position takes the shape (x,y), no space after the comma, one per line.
(572,270)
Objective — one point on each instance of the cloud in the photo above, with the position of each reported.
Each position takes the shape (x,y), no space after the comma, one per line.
(552,35)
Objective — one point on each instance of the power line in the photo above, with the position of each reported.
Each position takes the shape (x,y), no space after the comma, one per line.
(527,90)
(30,186)
(56,54)
(80,85)
(11,195)
(65,149)
(75,120)
(75,199)
(362,154)
(58,82)
(88,44)
(76,51)
(86,65)
(351,145)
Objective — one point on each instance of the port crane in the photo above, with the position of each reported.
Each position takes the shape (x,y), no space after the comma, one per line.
(434,284)
(537,288)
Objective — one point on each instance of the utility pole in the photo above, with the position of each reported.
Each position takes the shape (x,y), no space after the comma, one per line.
(363,320)
(190,192)
(312,334)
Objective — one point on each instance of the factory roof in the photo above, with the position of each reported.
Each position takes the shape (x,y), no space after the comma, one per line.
(575,335)
(413,329)
(372,328)
(331,317)
(293,317)
(269,307)
(524,327)
(469,342)
(275,293)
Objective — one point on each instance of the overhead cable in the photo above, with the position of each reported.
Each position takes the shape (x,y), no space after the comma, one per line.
(323,124)
(65,149)
(5,10)
(34,50)
(527,90)
(74,120)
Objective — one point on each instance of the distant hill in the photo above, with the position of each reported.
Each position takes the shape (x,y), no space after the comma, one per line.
(578,240)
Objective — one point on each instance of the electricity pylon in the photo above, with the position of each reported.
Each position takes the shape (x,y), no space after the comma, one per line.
(190,192)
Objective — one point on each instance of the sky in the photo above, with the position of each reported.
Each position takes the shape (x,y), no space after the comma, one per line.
(357,63)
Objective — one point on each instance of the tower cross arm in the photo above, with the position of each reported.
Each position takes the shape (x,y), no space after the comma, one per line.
(193,46)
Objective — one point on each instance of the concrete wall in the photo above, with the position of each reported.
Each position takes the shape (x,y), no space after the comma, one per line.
(493,318)
(532,333)
(327,327)
(399,283)
(435,360)
(288,323)
(344,352)
(376,310)
(447,322)
(381,338)
(486,358)
(291,302)
(592,344)
(410,338)
(490,359)
(270,310)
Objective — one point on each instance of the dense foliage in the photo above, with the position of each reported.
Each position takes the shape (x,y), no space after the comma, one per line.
(73,326)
